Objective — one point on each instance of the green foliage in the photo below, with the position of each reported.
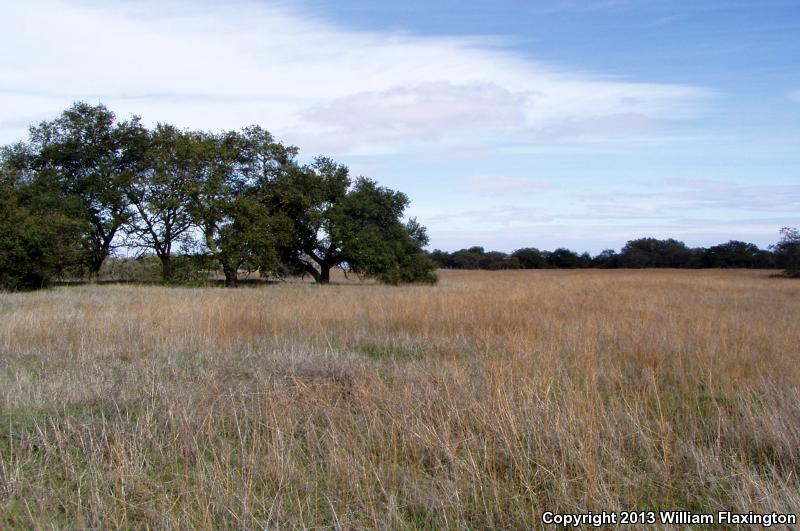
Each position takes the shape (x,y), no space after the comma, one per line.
(530,258)
(308,196)
(188,270)
(390,352)
(239,228)
(787,251)
(357,225)
(144,269)
(566,259)
(640,253)
(85,183)
(367,226)
(40,230)
(191,270)
(161,192)
(478,258)
(735,254)
(607,259)
(651,252)
(92,158)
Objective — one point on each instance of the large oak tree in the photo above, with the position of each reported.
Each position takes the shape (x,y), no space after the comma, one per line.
(354,224)
(92,158)
(238,227)
(161,194)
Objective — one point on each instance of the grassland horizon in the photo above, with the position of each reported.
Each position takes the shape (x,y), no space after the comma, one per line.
(480,402)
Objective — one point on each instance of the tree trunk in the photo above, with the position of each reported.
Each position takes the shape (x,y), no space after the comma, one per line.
(94,269)
(231,277)
(166,268)
(101,245)
(325,274)
(96,262)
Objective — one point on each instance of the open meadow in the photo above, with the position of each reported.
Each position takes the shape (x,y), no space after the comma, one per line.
(476,403)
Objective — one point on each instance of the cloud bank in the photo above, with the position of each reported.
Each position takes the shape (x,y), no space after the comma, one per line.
(322,87)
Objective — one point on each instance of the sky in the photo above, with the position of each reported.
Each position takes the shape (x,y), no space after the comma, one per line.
(508,123)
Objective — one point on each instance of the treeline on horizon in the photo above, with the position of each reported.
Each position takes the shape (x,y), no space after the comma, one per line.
(636,254)
(85,185)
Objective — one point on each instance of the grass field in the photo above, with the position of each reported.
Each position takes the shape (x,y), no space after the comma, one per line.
(477,403)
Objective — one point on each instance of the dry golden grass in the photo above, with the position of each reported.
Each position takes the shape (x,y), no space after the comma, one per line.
(478,403)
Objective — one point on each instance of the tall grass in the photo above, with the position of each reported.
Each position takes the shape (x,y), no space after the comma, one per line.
(477,403)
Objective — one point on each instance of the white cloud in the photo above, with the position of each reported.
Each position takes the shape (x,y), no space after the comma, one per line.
(419,113)
(322,87)
(794,95)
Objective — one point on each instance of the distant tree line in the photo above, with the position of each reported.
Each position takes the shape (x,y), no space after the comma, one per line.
(640,253)
(86,184)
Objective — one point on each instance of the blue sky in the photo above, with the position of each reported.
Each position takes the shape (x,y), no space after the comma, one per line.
(508,123)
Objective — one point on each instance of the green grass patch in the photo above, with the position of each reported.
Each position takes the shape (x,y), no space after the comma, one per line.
(390,352)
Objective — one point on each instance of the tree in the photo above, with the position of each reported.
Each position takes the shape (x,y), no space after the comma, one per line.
(372,239)
(467,258)
(238,228)
(441,258)
(495,260)
(338,222)
(40,229)
(566,259)
(650,252)
(733,254)
(530,258)
(92,157)
(787,251)
(607,259)
(162,191)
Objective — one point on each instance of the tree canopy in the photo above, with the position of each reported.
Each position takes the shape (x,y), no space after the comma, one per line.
(41,229)
(84,184)
(92,158)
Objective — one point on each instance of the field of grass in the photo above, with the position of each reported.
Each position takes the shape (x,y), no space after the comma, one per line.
(478,403)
